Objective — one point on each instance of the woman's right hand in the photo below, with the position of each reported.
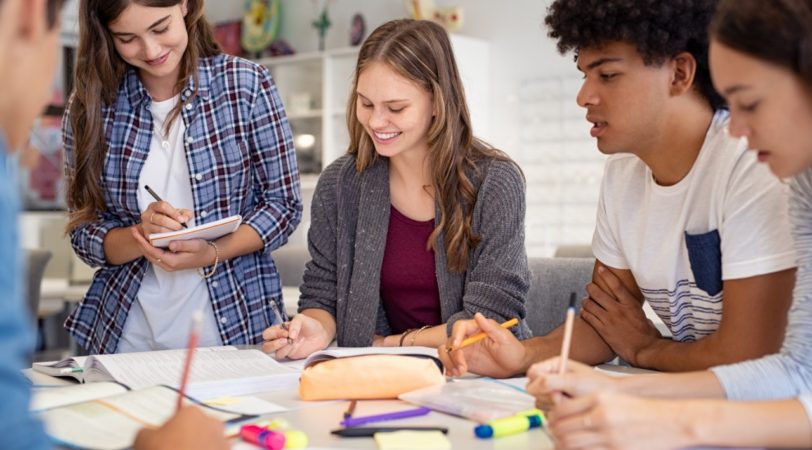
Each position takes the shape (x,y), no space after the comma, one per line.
(548,385)
(160,217)
(297,338)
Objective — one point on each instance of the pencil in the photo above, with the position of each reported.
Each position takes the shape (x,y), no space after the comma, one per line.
(565,344)
(480,336)
(350,410)
(158,199)
(197,317)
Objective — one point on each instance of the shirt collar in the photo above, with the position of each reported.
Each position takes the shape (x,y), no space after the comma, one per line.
(136,93)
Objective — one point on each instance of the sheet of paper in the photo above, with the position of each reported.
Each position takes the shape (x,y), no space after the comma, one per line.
(47,398)
(341,352)
(248,405)
(112,422)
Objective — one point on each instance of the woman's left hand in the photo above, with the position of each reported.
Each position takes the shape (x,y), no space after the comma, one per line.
(188,254)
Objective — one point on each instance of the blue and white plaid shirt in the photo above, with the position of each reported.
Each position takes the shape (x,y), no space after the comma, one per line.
(241,161)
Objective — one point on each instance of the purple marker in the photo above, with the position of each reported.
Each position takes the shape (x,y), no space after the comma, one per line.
(356,421)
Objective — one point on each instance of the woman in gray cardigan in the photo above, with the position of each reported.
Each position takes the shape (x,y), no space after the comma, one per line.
(421,224)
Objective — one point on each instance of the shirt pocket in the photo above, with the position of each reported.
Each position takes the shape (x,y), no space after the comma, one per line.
(705,255)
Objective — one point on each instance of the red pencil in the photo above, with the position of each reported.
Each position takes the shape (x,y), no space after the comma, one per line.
(197,317)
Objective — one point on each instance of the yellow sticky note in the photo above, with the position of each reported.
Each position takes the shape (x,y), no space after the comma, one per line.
(223,401)
(412,440)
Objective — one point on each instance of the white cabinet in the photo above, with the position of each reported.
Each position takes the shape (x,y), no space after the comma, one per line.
(315,87)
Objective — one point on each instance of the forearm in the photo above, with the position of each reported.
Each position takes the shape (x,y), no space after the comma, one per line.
(241,242)
(702,384)
(667,355)
(587,345)
(771,424)
(120,247)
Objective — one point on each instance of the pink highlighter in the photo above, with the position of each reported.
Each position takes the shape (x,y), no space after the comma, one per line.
(263,437)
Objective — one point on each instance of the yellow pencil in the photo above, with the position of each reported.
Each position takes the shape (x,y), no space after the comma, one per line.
(480,336)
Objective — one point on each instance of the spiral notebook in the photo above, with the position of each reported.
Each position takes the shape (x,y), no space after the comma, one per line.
(208,231)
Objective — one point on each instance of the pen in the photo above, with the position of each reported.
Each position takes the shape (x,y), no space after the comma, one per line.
(350,410)
(480,336)
(159,199)
(370,431)
(197,317)
(565,345)
(355,421)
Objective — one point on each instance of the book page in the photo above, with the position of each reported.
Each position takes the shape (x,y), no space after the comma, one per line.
(207,231)
(113,422)
(70,367)
(215,371)
(47,398)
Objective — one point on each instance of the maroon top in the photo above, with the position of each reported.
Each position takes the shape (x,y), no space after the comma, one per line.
(408,283)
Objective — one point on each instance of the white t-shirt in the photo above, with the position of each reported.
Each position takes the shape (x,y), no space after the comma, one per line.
(729,210)
(161,316)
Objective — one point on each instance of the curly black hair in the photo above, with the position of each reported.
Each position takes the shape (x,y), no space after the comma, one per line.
(659,28)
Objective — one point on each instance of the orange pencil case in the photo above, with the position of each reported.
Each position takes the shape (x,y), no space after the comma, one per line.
(369,377)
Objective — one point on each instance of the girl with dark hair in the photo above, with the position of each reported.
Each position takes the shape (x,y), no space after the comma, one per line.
(761,61)
(420,224)
(156,103)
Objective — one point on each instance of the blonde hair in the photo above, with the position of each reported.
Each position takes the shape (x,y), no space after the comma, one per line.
(420,51)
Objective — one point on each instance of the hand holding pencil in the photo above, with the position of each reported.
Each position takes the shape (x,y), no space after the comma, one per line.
(485,347)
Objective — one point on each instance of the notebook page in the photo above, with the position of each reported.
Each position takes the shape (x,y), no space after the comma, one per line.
(113,422)
(209,366)
(48,398)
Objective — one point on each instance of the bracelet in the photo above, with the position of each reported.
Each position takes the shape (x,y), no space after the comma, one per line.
(216,262)
(414,336)
(403,336)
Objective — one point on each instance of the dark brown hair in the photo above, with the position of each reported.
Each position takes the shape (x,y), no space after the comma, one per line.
(99,73)
(777,31)
(420,51)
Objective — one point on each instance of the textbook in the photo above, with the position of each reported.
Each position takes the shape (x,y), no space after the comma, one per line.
(216,372)
(208,231)
(108,416)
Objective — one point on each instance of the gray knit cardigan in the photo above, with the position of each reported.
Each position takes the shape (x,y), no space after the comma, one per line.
(347,238)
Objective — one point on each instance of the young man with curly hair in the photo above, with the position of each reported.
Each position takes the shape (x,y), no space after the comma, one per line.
(687,219)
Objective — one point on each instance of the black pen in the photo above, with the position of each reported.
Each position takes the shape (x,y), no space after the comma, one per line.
(159,199)
(370,431)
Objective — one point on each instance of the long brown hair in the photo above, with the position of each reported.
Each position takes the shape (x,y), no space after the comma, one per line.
(99,74)
(778,31)
(420,51)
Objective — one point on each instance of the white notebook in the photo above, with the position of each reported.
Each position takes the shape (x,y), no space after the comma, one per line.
(216,371)
(108,416)
(208,231)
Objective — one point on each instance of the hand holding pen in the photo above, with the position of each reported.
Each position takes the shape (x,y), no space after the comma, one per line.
(496,353)
(161,216)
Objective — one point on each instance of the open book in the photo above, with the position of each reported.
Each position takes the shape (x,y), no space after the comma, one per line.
(208,231)
(345,352)
(216,371)
(107,415)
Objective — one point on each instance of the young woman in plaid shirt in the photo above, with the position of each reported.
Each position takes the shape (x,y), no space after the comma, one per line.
(156,103)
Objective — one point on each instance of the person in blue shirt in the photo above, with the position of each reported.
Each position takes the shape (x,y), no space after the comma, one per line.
(29,42)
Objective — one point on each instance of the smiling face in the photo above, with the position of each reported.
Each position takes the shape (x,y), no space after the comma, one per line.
(395,112)
(153,40)
(623,97)
(769,105)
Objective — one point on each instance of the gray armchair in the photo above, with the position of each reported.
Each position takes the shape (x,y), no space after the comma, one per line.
(553,279)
